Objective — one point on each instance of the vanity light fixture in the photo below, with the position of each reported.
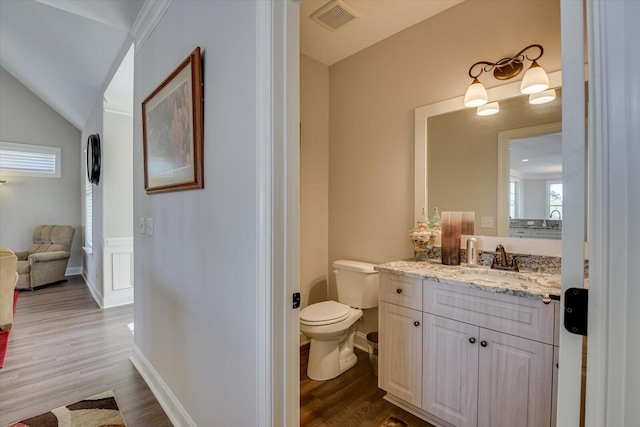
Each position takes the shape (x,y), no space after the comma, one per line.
(542,97)
(535,80)
(488,109)
(2,181)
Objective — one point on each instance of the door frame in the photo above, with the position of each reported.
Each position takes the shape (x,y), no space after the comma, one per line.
(612,134)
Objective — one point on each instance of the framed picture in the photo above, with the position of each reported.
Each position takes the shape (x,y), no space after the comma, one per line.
(172,130)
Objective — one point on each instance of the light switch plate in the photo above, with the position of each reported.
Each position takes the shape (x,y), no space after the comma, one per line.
(486,222)
(141,226)
(149,226)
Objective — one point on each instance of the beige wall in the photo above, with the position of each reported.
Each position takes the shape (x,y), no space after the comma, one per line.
(314,180)
(372,97)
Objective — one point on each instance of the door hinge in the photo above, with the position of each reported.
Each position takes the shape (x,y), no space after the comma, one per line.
(576,306)
(296,300)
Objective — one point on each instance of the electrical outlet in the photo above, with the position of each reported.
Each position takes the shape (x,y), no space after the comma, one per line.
(486,222)
(141,226)
(149,226)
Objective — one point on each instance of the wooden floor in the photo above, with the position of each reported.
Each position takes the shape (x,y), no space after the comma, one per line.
(63,348)
(352,399)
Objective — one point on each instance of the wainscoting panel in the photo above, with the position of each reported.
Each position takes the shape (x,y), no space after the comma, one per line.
(118,271)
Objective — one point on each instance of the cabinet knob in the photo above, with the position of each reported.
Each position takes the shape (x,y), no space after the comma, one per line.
(472,340)
(416,323)
(399,291)
(484,343)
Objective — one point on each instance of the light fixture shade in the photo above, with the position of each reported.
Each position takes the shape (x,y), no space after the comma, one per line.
(542,97)
(476,95)
(535,80)
(488,109)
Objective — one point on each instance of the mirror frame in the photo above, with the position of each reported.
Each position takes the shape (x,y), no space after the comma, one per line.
(422,114)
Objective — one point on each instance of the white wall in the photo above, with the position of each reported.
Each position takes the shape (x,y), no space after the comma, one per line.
(117,182)
(196,277)
(93,269)
(534,193)
(26,202)
(117,174)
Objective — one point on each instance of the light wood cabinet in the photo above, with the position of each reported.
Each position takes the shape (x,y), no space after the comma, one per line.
(450,370)
(515,381)
(462,366)
(400,350)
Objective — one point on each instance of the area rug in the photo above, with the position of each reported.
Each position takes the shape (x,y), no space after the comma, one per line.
(95,411)
(4,335)
(393,422)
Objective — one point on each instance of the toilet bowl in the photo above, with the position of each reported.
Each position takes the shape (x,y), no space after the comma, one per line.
(332,325)
(331,351)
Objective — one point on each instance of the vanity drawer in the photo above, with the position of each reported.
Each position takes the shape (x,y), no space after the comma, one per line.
(519,232)
(523,317)
(401,290)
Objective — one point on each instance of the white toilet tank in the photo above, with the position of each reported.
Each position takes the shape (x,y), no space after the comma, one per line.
(357,283)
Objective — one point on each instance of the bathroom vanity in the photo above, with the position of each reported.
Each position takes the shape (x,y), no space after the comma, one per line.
(463,346)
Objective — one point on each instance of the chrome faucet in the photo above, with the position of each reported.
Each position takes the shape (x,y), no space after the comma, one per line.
(553,211)
(501,262)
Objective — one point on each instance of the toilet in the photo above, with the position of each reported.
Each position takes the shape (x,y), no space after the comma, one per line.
(331,325)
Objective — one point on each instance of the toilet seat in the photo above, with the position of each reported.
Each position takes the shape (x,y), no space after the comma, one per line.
(324,313)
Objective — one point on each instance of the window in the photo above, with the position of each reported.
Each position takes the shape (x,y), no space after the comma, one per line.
(88,214)
(29,160)
(554,199)
(514,197)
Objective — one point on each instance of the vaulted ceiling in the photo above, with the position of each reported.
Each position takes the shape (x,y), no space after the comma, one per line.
(65,50)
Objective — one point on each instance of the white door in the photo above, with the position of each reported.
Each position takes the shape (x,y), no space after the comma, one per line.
(574,211)
(450,370)
(515,381)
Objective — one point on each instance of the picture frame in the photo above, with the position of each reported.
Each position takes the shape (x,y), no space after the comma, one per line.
(172,130)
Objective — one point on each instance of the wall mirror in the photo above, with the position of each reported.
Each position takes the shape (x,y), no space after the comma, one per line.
(463,161)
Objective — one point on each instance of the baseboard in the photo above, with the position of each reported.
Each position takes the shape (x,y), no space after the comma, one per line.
(174,410)
(123,297)
(360,341)
(73,271)
(304,340)
(95,292)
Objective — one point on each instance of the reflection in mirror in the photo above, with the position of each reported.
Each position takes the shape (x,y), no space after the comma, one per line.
(465,162)
(530,182)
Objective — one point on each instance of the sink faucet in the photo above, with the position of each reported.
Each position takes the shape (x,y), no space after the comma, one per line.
(554,211)
(502,254)
(500,260)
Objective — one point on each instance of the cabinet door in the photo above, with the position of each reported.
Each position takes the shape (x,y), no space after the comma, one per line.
(401,352)
(450,370)
(515,381)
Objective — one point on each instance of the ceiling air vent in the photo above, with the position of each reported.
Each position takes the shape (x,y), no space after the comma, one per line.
(334,15)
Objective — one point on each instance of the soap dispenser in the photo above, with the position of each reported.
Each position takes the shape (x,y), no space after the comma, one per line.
(472,252)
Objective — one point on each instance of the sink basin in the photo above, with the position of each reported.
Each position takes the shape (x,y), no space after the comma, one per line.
(497,277)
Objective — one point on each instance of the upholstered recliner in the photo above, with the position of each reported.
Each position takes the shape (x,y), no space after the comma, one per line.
(8,279)
(46,260)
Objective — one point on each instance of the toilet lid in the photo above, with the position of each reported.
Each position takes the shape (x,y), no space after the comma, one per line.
(326,311)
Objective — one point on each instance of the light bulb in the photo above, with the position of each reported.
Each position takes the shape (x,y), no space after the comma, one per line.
(488,109)
(542,97)
(476,95)
(535,80)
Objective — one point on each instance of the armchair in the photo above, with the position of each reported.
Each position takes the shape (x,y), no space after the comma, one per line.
(8,279)
(46,260)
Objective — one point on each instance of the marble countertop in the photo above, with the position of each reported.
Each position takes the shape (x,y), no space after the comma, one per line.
(532,285)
